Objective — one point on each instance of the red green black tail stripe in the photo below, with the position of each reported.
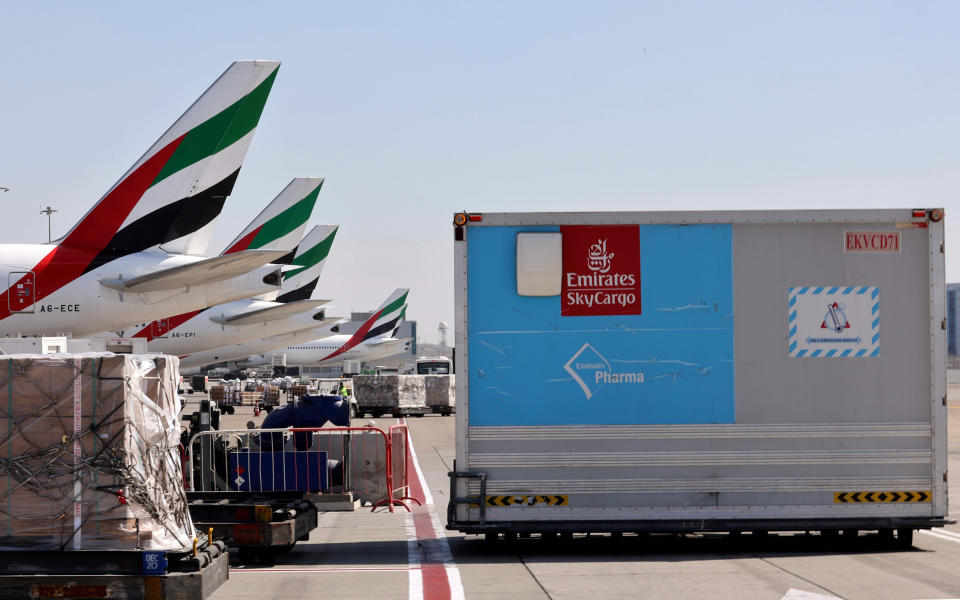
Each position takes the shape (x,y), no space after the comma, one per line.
(96,239)
(170,222)
(288,220)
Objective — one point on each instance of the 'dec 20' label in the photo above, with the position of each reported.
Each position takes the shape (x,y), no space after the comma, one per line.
(601,270)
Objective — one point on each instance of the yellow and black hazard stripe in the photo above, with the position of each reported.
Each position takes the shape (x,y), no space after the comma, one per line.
(527,500)
(886,497)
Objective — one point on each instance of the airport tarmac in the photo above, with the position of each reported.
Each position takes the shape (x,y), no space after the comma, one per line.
(365,554)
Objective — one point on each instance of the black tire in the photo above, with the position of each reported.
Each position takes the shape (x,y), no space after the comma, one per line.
(247,556)
(905,539)
(886,537)
(268,408)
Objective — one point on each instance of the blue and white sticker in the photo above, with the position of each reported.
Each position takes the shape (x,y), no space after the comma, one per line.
(834,321)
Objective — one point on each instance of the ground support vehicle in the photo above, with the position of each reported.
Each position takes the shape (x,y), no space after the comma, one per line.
(261,525)
(700,371)
(135,575)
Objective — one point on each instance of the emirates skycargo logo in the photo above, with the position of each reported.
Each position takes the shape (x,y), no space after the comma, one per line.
(597,259)
(602,287)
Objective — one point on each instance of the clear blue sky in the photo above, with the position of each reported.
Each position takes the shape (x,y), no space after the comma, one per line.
(415,110)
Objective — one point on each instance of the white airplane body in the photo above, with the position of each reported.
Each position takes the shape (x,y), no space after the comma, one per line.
(254,318)
(250,354)
(138,253)
(85,306)
(204,333)
(317,345)
(316,352)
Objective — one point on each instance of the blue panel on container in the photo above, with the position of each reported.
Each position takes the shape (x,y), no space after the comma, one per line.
(305,471)
(671,364)
(154,563)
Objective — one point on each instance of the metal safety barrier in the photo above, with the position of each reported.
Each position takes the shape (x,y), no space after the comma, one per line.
(399,463)
(359,460)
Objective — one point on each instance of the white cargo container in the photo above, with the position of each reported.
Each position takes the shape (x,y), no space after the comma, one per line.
(700,371)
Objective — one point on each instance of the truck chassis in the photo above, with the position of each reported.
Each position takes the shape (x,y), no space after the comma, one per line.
(133,575)
(261,525)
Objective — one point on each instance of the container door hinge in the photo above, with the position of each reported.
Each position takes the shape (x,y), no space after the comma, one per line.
(944,400)
(941,247)
(943,323)
(944,476)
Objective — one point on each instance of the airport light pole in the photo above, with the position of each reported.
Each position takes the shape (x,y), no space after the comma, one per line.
(49,212)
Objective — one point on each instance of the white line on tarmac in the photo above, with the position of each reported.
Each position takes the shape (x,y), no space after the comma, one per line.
(427,496)
(414,557)
(454,583)
(943,534)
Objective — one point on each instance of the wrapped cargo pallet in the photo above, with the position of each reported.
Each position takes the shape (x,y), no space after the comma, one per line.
(89,454)
(271,395)
(440,393)
(390,393)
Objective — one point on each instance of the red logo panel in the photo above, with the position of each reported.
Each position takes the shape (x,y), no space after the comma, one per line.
(601,270)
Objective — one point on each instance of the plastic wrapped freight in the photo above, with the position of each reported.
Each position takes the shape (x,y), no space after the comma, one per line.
(440,391)
(389,391)
(89,453)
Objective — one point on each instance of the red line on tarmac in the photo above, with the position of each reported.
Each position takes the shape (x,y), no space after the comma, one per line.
(413,480)
(333,570)
(436,585)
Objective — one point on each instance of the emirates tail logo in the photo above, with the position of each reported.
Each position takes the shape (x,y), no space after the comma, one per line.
(597,258)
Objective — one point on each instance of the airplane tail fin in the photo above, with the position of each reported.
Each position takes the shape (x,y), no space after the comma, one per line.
(281,224)
(300,283)
(403,314)
(383,320)
(171,196)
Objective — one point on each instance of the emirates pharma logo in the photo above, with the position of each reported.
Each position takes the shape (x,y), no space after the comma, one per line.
(592,371)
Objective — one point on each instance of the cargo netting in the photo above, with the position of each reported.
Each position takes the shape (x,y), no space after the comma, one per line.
(89,453)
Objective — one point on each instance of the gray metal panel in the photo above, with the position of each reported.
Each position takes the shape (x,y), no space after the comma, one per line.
(771,386)
(938,361)
(461,358)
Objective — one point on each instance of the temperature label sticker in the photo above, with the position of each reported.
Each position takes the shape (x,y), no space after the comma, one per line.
(834,321)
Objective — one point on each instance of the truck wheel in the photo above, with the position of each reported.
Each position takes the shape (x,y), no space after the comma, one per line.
(886,537)
(905,539)
(268,408)
(248,556)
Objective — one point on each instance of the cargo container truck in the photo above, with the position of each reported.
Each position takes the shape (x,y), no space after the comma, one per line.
(700,371)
